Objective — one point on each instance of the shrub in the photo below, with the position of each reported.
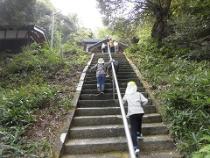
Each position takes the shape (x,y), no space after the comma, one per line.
(28,84)
(182,87)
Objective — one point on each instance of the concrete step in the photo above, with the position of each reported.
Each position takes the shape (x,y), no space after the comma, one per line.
(107,58)
(121,66)
(119,75)
(108,85)
(98,111)
(99,103)
(97,145)
(119,78)
(111,119)
(120,61)
(96,120)
(100,145)
(113,130)
(109,80)
(103,97)
(156,143)
(163,154)
(107,90)
(100,155)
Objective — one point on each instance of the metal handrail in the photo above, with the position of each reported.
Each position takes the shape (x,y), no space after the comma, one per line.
(125,122)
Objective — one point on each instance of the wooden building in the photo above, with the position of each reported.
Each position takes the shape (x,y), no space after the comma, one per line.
(14,38)
(87,43)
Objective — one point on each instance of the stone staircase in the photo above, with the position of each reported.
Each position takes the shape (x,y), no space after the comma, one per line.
(96,130)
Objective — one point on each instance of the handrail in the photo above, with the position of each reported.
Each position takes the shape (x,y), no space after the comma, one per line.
(125,122)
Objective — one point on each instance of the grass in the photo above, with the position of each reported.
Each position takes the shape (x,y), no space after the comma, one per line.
(183,87)
(35,85)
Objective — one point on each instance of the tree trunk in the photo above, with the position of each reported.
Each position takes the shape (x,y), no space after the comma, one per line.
(160,27)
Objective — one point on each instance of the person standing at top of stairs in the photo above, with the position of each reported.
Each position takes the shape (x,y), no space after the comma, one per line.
(100,74)
(135,113)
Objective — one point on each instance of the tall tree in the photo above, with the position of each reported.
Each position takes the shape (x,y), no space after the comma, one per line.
(132,11)
(17,12)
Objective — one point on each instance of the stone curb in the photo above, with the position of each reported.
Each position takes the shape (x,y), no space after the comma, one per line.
(60,146)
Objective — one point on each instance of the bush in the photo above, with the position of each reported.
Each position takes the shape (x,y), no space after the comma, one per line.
(18,105)
(34,58)
(30,82)
(182,86)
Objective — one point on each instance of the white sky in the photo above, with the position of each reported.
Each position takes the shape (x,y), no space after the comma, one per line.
(87,11)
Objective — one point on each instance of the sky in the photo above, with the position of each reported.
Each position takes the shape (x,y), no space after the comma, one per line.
(87,11)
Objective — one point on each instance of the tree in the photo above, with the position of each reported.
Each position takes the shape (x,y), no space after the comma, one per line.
(133,11)
(16,12)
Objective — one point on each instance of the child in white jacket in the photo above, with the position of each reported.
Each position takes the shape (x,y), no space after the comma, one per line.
(135,113)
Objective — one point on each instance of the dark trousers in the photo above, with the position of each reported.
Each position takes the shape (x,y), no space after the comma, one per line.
(109,68)
(100,82)
(136,123)
(112,49)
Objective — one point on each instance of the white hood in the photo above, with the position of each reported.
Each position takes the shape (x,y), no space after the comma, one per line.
(131,88)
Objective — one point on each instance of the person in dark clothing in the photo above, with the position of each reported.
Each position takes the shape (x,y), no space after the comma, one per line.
(109,68)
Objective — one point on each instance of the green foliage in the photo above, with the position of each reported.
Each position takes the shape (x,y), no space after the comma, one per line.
(14,145)
(182,87)
(204,151)
(34,58)
(74,54)
(15,12)
(34,65)
(28,84)
(18,105)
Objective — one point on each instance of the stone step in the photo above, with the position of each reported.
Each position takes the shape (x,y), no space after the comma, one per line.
(99,103)
(96,120)
(95,111)
(114,154)
(114,130)
(109,80)
(119,75)
(103,96)
(97,145)
(107,90)
(107,58)
(98,111)
(162,154)
(108,85)
(121,66)
(120,61)
(156,143)
(100,145)
(111,119)
(102,103)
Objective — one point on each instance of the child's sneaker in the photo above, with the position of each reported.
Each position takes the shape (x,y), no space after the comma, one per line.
(140,136)
(99,93)
(137,152)
(102,92)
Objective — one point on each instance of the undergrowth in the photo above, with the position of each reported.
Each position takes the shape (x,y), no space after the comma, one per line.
(30,82)
(183,88)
